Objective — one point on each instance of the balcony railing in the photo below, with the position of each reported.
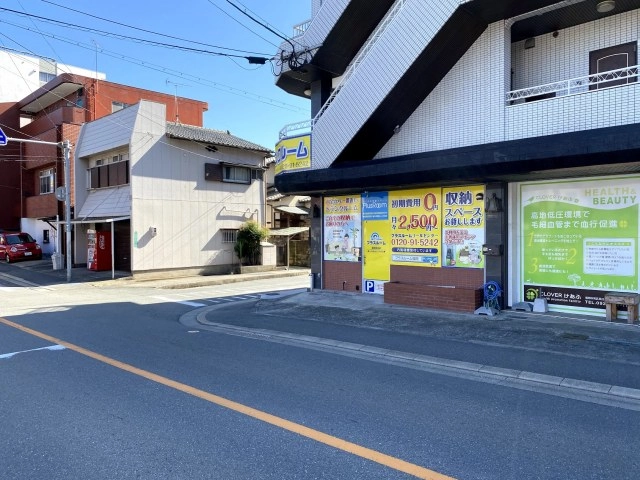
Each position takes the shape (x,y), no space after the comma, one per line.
(611,78)
(300,28)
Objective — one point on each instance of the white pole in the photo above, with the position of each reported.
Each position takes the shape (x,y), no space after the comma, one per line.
(67,203)
(113,257)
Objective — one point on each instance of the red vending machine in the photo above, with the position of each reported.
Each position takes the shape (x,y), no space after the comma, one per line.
(98,250)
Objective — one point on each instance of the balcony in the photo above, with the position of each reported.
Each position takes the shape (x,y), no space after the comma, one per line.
(298,30)
(573,86)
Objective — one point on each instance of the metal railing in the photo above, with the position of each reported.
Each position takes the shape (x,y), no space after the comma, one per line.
(573,86)
(299,29)
(377,33)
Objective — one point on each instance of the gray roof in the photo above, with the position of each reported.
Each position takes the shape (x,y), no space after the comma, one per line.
(211,137)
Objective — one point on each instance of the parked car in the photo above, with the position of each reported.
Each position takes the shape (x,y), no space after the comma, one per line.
(18,246)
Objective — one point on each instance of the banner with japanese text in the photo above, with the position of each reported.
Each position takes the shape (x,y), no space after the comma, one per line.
(579,237)
(293,153)
(342,228)
(377,241)
(463,226)
(415,218)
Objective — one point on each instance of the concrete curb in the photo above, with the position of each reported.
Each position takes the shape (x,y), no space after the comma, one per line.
(573,388)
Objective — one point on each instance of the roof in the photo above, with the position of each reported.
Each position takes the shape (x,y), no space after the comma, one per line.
(283,232)
(107,203)
(215,137)
(295,210)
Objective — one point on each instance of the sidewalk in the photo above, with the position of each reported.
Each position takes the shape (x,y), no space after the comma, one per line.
(569,356)
(46,275)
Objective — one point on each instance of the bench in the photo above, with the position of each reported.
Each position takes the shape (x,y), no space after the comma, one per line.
(630,300)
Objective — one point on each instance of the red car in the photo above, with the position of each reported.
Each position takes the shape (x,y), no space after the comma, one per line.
(19,246)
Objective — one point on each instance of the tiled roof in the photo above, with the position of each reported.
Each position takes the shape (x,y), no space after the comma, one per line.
(210,136)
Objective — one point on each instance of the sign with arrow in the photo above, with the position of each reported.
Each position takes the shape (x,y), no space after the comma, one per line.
(3,138)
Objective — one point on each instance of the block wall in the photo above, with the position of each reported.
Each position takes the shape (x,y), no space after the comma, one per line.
(343,276)
(450,277)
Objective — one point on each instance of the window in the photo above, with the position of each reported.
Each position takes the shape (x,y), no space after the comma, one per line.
(229,235)
(108,175)
(47,181)
(236,174)
(117,106)
(46,77)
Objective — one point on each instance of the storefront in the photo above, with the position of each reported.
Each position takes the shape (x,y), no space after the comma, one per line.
(575,240)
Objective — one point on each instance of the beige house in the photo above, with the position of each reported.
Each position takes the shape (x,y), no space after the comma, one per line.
(172,196)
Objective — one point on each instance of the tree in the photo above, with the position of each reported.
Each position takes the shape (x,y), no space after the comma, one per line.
(248,240)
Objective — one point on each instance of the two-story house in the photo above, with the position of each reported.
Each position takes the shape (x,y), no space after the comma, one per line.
(53,113)
(457,143)
(168,197)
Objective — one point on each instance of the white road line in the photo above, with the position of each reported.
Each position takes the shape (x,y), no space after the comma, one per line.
(52,347)
(17,280)
(183,302)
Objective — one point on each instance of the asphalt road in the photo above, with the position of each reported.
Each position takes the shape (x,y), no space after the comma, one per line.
(119,388)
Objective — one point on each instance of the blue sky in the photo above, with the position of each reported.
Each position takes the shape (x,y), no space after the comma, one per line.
(242,98)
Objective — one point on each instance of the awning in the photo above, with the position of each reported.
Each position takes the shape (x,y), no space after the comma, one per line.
(285,232)
(107,203)
(294,210)
(97,220)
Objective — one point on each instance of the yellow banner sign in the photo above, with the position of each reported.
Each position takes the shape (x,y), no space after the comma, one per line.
(293,153)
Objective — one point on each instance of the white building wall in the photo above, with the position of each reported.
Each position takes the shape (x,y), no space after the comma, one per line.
(20,74)
(170,194)
(466,108)
(36,229)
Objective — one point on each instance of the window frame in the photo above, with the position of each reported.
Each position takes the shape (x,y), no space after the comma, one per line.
(229,235)
(49,176)
(227,170)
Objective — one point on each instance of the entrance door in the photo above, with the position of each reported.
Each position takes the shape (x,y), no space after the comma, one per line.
(613,58)
(122,245)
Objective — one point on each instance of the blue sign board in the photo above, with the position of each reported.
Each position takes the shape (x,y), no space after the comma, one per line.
(3,138)
(375,206)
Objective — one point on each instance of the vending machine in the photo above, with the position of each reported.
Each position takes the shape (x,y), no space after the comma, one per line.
(98,250)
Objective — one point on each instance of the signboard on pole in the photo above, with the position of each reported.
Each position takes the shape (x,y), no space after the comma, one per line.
(3,138)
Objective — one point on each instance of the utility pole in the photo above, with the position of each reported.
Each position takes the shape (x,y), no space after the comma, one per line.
(66,148)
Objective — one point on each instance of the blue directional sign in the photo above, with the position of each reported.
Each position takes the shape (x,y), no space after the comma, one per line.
(3,138)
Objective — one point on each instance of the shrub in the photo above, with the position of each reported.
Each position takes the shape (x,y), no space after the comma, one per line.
(248,240)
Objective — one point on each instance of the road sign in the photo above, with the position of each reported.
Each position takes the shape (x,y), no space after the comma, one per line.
(3,138)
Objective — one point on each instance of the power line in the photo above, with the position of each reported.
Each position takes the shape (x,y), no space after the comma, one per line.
(296,60)
(179,74)
(135,39)
(151,31)
(242,24)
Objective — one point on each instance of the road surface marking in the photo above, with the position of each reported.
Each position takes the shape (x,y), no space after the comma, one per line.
(52,347)
(182,302)
(326,439)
